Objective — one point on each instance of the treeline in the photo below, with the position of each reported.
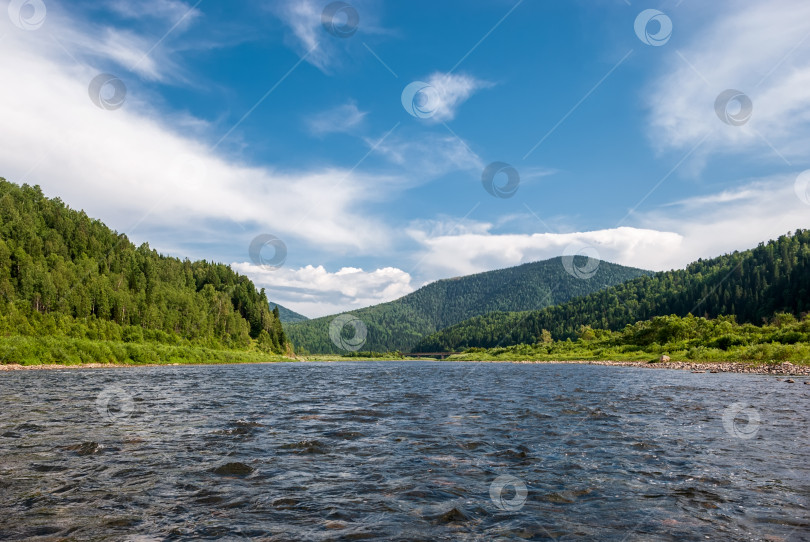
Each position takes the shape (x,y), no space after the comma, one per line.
(400,324)
(752,285)
(63,273)
(691,338)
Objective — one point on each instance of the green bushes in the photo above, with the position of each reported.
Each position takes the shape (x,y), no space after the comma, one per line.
(683,339)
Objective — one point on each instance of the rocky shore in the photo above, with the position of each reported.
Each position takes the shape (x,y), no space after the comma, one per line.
(781,369)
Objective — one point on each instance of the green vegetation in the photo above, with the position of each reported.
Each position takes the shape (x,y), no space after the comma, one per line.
(73,291)
(400,324)
(683,339)
(71,351)
(752,285)
(66,276)
(288,316)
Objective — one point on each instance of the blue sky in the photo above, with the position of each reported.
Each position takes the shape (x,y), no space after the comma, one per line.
(250,118)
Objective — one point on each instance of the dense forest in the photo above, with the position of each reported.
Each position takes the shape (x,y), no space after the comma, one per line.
(400,324)
(64,274)
(752,285)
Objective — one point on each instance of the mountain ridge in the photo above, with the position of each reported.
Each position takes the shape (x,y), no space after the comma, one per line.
(398,325)
(752,285)
(288,315)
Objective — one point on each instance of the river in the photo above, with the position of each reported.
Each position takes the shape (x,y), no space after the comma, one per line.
(402,451)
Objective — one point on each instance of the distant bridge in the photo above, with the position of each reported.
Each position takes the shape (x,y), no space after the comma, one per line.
(440,355)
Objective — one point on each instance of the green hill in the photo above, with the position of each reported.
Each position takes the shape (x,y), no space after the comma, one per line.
(63,274)
(400,324)
(752,285)
(288,316)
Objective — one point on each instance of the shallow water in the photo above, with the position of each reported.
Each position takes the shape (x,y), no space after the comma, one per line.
(402,451)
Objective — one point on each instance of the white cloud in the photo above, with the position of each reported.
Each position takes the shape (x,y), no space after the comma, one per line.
(314,292)
(428,156)
(443,94)
(309,37)
(343,118)
(148,54)
(127,166)
(736,219)
(758,48)
(171,11)
(473,251)
(667,238)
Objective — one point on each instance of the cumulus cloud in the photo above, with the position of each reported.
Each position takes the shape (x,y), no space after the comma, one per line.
(669,237)
(475,251)
(315,292)
(343,118)
(760,49)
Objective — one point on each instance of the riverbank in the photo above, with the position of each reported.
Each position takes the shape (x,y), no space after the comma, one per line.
(776,369)
(53,367)
(780,369)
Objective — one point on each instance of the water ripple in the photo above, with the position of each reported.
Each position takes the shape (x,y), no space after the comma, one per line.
(402,451)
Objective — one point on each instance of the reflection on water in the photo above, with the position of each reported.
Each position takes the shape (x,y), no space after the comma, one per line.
(402,451)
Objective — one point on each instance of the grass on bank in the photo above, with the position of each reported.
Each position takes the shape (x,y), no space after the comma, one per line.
(26,350)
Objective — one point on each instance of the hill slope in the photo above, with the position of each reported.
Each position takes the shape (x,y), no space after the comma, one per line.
(400,324)
(65,274)
(752,285)
(288,316)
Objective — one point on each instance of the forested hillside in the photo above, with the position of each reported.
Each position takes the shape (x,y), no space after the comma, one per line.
(752,285)
(65,274)
(400,324)
(288,316)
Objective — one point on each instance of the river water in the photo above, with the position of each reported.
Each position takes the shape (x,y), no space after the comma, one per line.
(402,451)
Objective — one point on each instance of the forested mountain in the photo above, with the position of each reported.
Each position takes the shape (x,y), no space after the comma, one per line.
(752,285)
(288,316)
(400,324)
(63,273)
